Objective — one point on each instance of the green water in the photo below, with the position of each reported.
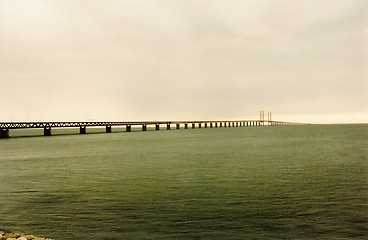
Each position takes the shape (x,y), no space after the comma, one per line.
(281,182)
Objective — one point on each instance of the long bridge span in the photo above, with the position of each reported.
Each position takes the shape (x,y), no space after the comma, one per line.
(47,126)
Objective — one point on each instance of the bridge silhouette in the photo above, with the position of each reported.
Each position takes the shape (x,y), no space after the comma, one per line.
(47,126)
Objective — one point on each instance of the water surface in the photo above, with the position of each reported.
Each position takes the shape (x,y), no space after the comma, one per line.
(281,182)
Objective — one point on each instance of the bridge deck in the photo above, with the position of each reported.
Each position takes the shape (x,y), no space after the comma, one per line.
(47,126)
(19,125)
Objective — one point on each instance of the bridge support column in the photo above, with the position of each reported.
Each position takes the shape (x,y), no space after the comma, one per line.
(157,127)
(128,128)
(205,125)
(177,126)
(82,130)
(186,125)
(144,128)
(199,125)
(168,126)
(47,131)
(237,124)
(108,129)
(220,124)
(215,124)
(233,124)
(4,133)
(211,125)
(193,125)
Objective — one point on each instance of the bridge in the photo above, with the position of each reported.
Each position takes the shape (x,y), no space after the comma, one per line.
(47,126)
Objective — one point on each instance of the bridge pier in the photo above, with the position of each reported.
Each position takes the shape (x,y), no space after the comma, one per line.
(220,124)
(4,133)
(211,125)
(177,126)
(216,124)
(193,125)
(205,125)
(199,125)
(144,127)
(168,127)
(47,131)
(157,127)
(186,125)
(108,129)
(128,128)
(82,130)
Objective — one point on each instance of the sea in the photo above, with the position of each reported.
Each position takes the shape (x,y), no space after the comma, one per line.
(265,182)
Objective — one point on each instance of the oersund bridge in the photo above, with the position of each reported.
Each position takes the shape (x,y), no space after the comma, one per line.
(5,127)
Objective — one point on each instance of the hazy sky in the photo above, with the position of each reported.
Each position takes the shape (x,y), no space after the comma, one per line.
(66,60)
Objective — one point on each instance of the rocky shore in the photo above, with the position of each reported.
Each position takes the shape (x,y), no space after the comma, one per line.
(7,235)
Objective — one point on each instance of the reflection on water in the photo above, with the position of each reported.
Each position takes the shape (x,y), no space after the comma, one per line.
(302,182)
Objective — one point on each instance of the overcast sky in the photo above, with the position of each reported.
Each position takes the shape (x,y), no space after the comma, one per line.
(118,60)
